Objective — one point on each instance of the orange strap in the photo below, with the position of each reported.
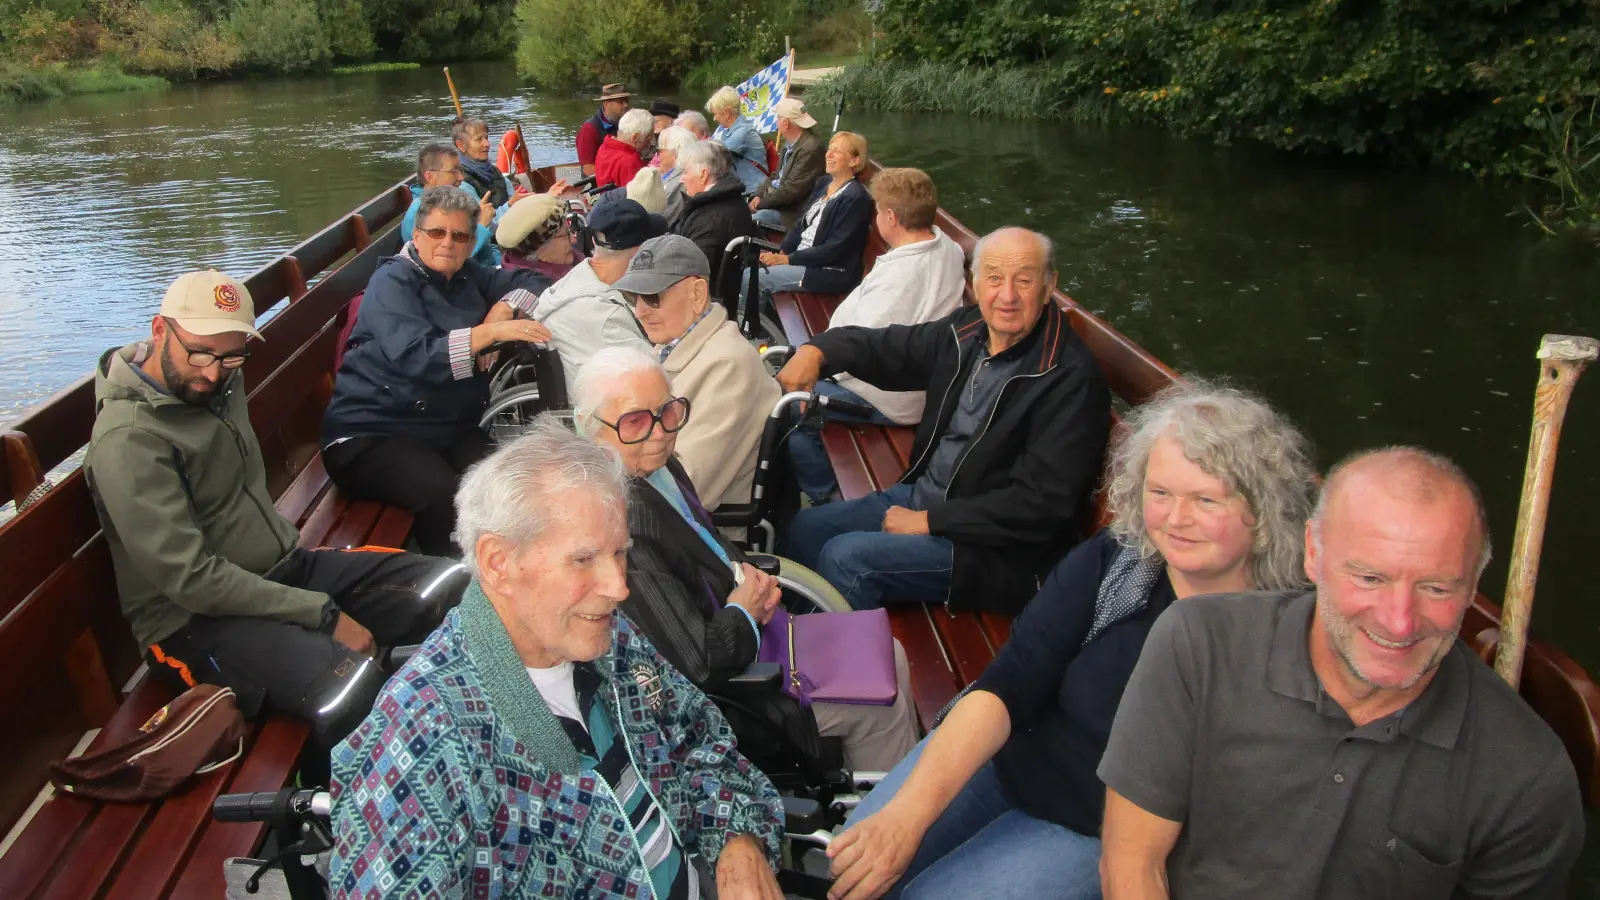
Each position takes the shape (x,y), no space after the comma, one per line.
(177,664)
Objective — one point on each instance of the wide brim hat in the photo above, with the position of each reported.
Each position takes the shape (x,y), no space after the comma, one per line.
(616,91)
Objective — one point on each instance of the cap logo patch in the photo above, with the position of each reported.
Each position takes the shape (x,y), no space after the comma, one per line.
(227,297)
(644,259)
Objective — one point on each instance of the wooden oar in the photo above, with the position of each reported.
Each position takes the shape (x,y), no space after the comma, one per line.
(454,97)
(1562,359)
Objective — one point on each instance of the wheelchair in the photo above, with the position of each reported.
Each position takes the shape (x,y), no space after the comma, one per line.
(757,322)
(299,826)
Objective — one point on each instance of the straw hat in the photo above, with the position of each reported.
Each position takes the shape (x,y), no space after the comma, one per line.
(618,91)
(646,190)
(538,216)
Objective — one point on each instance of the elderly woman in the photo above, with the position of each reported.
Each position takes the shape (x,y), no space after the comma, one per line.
(696,122)
(709,362)
(533,234)
(736,133)
(822,251)
(1209,493)
(625,403)
(618,776)
(620,156)
(670,143)
(403,422)
(714,211)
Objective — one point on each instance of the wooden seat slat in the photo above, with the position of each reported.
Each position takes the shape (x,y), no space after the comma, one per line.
(60,523)
(901,440)
(932,681)
(166,841)
(964,640)
(392,528)
(882,461)
(100,851)
(997,628)
(793,320)
(355,525)
(304,493)
(848,467)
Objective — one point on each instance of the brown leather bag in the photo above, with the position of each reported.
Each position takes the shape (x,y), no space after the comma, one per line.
(200,731)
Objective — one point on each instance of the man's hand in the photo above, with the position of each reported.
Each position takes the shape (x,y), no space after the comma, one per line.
(802,370)
(774,259)
(755,203)
(486,210)
(349,632)
(872,854)
(899,520)
(743,873)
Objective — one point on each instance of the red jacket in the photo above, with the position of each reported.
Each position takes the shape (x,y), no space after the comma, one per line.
(616,164)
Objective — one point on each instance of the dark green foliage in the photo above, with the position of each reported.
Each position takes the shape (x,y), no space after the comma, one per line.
(443,29)
(1458,84)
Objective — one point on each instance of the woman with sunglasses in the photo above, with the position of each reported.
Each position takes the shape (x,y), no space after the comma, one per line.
(403,422)
(692,593)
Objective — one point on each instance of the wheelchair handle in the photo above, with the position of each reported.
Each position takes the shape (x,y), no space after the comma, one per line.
(845,406)
(740,241)
(264,806)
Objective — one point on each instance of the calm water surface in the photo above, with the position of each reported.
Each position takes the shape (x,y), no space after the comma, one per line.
(1373,306)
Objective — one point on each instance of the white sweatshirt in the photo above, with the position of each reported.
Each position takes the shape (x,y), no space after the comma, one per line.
(908,285)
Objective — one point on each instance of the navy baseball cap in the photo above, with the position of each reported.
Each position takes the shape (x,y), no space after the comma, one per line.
(622,224)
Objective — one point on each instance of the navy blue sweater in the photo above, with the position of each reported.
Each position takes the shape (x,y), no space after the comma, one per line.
(833,261)
(1061,698)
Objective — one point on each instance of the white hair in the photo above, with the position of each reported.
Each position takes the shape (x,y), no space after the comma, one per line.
(1045,244)
(709,157)
(512,492)
(675,138)
(693,120)
(601,375)
(725,99)
(635,123)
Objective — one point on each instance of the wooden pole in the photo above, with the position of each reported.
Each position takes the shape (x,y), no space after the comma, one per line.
(454,97)
(1562,360)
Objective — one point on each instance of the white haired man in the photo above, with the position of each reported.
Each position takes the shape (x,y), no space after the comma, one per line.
(695,121)
(1347,743)
(714,211)
(620,157)
(619,777)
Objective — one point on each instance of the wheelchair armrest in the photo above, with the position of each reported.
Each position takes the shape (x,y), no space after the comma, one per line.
(802,815)
(757,674)
(736,515)
(766,562)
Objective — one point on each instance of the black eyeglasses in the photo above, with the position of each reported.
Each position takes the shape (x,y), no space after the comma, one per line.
(651,300)
(635,427)
(203,358)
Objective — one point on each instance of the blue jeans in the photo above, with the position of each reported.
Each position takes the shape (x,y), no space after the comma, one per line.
(845,543)
(806,453)
(984,846)
(769,218)
(777,279)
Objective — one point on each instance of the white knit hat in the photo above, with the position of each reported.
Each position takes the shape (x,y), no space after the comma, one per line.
(646,190)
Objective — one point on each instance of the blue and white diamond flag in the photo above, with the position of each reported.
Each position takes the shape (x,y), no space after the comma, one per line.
(760,93)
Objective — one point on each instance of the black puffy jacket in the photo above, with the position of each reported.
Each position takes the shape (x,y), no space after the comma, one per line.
(711,219)
(1016,502)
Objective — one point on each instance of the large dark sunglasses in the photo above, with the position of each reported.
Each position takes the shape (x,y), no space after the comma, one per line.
(202,358)
(651,300)
(438,234)
(634,427)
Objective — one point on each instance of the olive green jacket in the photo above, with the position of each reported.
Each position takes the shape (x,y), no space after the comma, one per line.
(797,174)
(182,495)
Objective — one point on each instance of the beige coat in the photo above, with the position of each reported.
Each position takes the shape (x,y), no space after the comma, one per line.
(730,396)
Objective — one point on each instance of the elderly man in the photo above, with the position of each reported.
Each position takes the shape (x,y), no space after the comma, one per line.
(1005,457)
(471,138)
(210,577)
(780,199)
(583,311)
(620,156)
(714,211)
(695,121)
(613,102)
(614,777)
(439,165)
(1340,742)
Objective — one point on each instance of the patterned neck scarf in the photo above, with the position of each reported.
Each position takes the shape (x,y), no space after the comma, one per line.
(1125,589)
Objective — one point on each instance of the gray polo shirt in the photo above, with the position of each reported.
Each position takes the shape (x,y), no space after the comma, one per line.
(1225,728)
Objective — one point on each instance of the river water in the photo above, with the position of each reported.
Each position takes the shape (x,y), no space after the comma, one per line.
(1372,305)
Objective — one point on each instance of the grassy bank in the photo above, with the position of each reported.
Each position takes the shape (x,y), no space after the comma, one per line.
(376,67)
(23,85)
(1004,92)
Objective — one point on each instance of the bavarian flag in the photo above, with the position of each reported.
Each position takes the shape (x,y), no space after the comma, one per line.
(760,93)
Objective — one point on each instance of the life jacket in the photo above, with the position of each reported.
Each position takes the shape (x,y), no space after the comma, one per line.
(512,157)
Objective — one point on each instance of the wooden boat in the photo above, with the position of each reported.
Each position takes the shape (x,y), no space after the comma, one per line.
(71,669)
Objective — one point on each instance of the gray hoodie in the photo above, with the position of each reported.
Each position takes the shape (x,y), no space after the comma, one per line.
(585,314)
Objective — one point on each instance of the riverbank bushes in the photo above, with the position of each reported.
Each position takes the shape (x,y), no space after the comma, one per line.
(23,85)
(1456,84)
(185,39)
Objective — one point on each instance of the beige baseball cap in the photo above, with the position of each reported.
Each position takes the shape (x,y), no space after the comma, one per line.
(795,111)
(210,302)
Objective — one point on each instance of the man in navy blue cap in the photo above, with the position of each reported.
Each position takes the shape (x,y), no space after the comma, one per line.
(583,311)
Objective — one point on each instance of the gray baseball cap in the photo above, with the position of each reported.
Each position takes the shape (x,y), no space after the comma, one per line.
(661,263)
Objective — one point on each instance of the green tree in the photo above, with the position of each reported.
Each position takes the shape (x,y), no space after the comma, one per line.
(279,35)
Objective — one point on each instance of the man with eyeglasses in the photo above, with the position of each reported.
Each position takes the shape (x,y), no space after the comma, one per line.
(439,165)
(209,574)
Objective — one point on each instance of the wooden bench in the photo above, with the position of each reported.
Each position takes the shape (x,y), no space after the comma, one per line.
(64,646)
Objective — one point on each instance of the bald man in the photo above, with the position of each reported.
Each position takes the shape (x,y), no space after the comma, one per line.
(1340,742)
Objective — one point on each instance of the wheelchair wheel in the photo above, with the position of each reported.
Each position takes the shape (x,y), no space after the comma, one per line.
(510,412)
(804,591)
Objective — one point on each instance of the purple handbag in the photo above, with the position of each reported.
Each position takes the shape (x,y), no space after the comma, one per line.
(843,657)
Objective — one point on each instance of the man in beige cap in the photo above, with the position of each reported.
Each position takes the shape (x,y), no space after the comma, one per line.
(209,574)
(613,102)
(777,203)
